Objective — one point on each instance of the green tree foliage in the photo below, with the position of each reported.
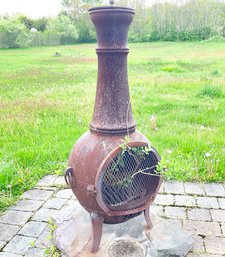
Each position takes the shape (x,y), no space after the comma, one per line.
(64,27)
(77,10)
(193,20)
(28,22)
(13,34)
(168,21)
(140,27)
(16,32)
(41,24)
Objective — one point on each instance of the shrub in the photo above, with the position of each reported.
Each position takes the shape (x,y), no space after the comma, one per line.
(46,38)
(63,27)
(13,34)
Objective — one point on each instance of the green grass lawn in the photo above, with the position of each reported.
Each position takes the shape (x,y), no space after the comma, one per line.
(46,103)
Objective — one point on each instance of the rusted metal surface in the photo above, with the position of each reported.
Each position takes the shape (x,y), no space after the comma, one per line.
(86,158)
(112,121)
(112,112)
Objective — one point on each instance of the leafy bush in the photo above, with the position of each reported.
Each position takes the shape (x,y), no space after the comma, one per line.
(63,27)
(13,34)
(46,38)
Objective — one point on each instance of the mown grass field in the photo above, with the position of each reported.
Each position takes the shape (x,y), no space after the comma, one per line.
(46,104)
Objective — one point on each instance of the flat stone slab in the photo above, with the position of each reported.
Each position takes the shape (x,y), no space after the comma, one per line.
(174,187)
(55,203)
(218,215)
(193,188)
(7,232)
(207,202)
(215,245)
(214,190)
(64,193)
(15,217)
(47,181)
(36,194)
(202,228)
(19,245)
(130,239)
(44,215)
(33,229)
(27,205)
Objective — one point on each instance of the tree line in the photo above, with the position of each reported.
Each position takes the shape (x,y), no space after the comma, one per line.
(178,20)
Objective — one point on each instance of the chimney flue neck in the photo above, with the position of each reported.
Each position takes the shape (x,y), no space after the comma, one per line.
(112,112)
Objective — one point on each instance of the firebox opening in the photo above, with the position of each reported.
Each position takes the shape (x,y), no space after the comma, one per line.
(130,179)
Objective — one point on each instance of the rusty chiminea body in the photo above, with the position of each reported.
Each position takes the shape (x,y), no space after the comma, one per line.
(113,180)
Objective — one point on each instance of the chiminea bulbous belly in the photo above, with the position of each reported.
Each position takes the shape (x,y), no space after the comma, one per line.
(96,188)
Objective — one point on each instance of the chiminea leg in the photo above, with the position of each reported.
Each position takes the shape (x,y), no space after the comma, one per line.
(147,216)
(96,227)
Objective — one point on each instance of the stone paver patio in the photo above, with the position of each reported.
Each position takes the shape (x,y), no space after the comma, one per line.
(24,228)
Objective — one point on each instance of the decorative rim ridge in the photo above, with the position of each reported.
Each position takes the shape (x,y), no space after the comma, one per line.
(113,131)
(111,9)
(112,50)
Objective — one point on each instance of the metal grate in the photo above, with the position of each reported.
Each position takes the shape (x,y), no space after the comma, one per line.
(130,179)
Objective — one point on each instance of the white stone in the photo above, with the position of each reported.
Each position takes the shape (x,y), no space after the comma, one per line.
(185,200)
(33,229)
(45,214)
(55,203)
(214,190)
(47,181)
(65,193)
(222,203)
(202,228)
(175,213)
(207,202)
(27,205)
(164,199)
(60,181)
(7,232)
(215,245)
(174,187)
(37,194)
(15,217)
(193,188)
(19,245)
(218,215)
(199,214)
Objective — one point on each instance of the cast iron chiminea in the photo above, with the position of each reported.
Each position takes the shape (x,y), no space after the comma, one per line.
(112,179)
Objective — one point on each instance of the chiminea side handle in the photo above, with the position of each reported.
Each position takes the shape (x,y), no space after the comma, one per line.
(68,176)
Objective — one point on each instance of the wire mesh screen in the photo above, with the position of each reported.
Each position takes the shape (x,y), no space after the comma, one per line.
(130,179)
